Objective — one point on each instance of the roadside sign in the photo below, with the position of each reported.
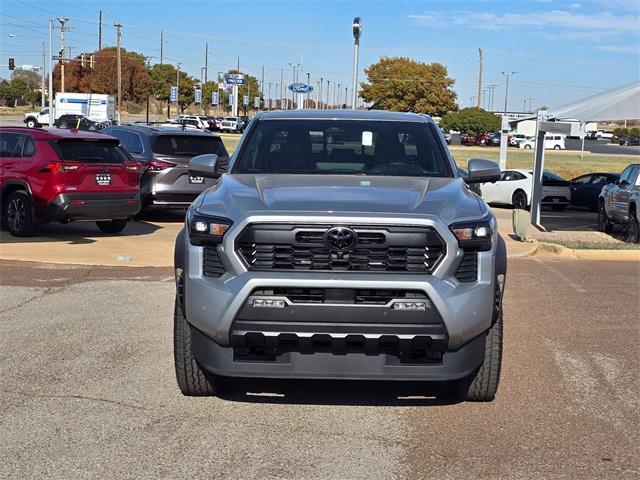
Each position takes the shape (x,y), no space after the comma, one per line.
(173,95)
(245,100)
(256,102)
(235,79)
(215,98)
(198,96)
(300,88)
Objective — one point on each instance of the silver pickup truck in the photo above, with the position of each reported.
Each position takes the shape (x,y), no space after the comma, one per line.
(340,245)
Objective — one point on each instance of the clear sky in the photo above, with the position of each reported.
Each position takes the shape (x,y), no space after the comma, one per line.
(560,50)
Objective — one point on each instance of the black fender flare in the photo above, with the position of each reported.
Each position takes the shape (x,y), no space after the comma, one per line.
(501,257)
(179,253)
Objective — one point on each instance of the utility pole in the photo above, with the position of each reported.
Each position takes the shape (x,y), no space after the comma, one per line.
(320,92)
(161,46)
(506,90)
(44,70)
(269,97)
(62,21)
(261,94)
(530,106)
(357,32)
(334,95)
(480,78)
(308,91)
(281,85)
(492,89)
(100,31)
(339,95)
(119,64)
(50,72)
(206,61)
(328,88)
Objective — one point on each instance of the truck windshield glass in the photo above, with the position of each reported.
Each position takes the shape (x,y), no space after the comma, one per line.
(190,145)
(343,147)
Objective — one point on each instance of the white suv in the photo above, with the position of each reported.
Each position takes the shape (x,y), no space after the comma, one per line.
(551,141)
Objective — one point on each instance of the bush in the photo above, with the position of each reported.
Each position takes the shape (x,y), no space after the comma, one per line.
(634,132)
(620,132)
(132,107)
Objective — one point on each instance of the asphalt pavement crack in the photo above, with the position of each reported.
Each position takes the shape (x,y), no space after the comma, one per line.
(36,297)
(81,397)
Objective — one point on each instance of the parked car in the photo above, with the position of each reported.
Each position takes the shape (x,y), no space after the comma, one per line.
(551,141)
(515,186)
(618,203)
(447,136)
(77,121)
(629,141)
(492,139)
(199,121)
(184,123)
(164,153)
(604,134)
(64,175)
(389,270)
(516,138)
(232,124)
(586,189)
(467,139)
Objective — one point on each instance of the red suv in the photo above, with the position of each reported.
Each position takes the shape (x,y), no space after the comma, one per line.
(65,175)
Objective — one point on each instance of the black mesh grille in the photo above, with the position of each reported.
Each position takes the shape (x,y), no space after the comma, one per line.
(468,269)
(339,295)
(378,249)
(212,265)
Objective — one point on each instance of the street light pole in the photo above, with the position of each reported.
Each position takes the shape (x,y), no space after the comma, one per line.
(178,88)
(50,73)
(506,90)
(119,65)
(62,21)
(357,31)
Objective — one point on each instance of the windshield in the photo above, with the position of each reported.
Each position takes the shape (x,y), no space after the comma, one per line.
(344,147)
(188,145)
(91,151)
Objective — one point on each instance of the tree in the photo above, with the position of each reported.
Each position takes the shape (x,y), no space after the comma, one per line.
(103,77)
(163,77)
(404,85)
(207,89)
(473,120)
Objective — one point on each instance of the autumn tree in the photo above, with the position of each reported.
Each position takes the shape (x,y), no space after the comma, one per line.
(404,85)
(474,121)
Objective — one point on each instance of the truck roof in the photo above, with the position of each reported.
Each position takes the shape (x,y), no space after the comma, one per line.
(372,115)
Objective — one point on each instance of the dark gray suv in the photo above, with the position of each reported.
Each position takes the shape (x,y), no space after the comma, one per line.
(343,245)
(165,153)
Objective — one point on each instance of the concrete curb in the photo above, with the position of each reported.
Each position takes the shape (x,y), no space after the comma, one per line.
(586,254)
(531,251)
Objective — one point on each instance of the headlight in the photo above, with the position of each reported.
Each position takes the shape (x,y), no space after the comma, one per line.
(205,229)
(475,235)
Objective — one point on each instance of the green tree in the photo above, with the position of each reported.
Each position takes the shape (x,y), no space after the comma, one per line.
(634,132)
(207,89)
(404,85)
(473,120)
(163,77)
(186,90)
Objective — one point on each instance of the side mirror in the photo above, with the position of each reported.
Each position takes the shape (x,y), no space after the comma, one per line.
(482,171)
(204,166)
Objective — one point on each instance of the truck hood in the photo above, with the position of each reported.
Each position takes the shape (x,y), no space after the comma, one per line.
(237,196)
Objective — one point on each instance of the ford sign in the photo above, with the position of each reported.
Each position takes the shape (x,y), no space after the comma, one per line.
(300,88)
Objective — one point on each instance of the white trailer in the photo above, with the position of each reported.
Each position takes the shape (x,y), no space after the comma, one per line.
(95,106)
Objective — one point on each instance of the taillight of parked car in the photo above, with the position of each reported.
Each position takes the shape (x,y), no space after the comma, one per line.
(132,166)
(158,165)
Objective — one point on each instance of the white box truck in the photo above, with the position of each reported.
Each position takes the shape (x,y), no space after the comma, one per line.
(95,106)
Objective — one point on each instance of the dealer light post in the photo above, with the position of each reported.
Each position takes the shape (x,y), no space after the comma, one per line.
(357,32)
(506,90)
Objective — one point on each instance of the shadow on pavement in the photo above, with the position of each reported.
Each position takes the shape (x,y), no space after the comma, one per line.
(337,392)
(78,233)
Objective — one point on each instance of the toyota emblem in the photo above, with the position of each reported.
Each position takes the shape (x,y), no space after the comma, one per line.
(340,238)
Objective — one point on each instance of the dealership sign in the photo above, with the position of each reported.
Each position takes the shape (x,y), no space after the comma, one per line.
(234,79)
(300,88)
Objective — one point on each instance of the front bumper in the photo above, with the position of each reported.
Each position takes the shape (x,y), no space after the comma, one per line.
(92,206)
(465,311)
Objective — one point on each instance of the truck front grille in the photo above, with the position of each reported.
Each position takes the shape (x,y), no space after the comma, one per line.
(372,296)
(396,249)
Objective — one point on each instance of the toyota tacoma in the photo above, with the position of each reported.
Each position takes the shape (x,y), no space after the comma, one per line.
(340,245)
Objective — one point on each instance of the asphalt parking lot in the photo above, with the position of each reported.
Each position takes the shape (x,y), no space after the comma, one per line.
(87,390)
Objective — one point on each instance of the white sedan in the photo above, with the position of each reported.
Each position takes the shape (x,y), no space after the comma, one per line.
(515,186)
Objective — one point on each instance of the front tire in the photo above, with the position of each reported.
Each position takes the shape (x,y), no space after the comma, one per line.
(483,384)
(192,379)
(112,226)
(31,123)
(604,224)
(556,147)
(528,147)
(19,214)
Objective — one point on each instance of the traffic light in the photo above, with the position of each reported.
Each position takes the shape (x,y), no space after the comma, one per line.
(91,61)
(12,64)
(82,60)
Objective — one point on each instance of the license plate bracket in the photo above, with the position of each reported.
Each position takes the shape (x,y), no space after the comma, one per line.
(103,179)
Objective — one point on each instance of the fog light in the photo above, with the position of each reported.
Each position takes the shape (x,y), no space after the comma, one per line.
(268,303)
(414,306)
